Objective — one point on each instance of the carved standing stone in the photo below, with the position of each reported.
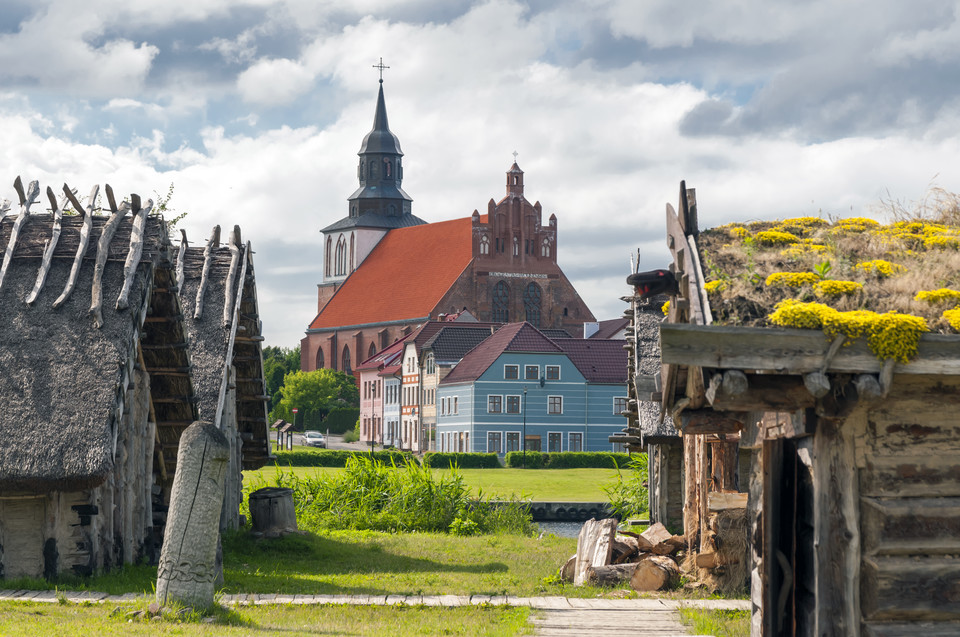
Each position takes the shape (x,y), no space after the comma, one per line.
(187,570)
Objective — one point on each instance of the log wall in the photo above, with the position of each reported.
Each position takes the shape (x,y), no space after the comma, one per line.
(666,484)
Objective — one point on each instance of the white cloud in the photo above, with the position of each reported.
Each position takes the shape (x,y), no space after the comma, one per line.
(274,82)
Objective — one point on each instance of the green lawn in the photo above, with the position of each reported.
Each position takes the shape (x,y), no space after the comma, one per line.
(78,620)
(368,563)
(548,485)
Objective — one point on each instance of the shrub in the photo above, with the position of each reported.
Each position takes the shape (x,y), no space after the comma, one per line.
(879,267)
(776,238)
(443,460)
(341,419)
(791,279)
(335,458)
(630,496)
(372,495)
(568,460)
(953,318)
(938,296)
(352,435)
(837,288)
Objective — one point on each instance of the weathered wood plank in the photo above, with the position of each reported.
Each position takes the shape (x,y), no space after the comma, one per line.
(767,393)
(911,526)
(26,200)
(911,588)
(212,244)
(51,245)
(911,629)
(594,547)
(708,421)
(794,351)
(910,475)
(228,287)
(103,250)
(717,501)
(135,251)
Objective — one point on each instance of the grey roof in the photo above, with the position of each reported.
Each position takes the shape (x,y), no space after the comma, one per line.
(380,139)
(375,220)
(62,379)
(453,341)
(554,333)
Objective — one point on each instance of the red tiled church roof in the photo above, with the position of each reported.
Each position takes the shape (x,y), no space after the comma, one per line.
(404,277)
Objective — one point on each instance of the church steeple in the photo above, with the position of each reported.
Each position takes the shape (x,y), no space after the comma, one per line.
(380,171)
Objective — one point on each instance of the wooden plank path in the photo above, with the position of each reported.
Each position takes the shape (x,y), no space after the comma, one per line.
(555,616)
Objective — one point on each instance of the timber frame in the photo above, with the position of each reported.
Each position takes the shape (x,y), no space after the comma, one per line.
(849,463)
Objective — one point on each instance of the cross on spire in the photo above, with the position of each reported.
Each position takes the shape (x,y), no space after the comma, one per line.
(381,67)
(515,153)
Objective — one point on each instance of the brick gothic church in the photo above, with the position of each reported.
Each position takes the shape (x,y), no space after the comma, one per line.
(387,272)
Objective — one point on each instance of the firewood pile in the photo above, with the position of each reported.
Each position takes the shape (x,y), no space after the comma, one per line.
(646,561)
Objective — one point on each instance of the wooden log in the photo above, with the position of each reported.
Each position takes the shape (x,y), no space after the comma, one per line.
(229,292)
(817,384)
(136,250)
(612,574)
(656,573)
(103,250)
(272,512)
(719,501)
(50,246)
(212,244)
(181,257)
(26,200)
(768,393)
(593,546)
(708,421)
(623,548)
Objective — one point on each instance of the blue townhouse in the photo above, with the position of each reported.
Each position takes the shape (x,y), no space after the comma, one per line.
(518,385)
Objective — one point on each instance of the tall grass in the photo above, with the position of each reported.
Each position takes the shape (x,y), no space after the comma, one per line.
(630,495)
(371,495)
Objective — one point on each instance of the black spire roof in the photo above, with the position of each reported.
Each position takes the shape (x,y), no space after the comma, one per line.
(380,139)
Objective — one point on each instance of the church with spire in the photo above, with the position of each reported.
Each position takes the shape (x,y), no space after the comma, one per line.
(386,271)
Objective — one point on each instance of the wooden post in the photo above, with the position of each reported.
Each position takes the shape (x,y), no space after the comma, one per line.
(186,573)
(272,512)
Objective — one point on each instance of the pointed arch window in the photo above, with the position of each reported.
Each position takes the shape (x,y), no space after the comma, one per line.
(371,351)
(345,367)
(484,244)
(501,303)
(340,257)
(327,257)
(545,248)
(319,360)
(352,263)
(387,168)
(531,303)
(516,247)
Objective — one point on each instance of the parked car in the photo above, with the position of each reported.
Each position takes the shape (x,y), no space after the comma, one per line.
(314,439)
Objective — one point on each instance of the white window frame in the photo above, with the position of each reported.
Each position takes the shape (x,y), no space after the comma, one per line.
(506,403)
(505,377)
(497,451)
(456,408)
(555,413)
(626,403)
(554,433)
(546,373)
(499,404)
(519,441)
(570,435)
(526,367)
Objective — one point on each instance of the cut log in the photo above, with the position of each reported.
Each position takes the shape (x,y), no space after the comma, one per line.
(228,287)
(612,574)
(656,534)
(717,501)
(643,544)
(712,560)
(26,200)
(593,546)
(624,548)
(656,573)
(212,244)
(566,571)
(103,251)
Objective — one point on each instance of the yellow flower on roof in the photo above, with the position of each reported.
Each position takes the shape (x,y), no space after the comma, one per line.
(791,279)
(665,308)
(854,224)
(715,286)
(776,238)
(880,268)
(934,297)
(941,242)
(739,232)
(953,318)
(837,288)
(801,225)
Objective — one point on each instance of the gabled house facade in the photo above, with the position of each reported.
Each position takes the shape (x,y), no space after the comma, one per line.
(519,389)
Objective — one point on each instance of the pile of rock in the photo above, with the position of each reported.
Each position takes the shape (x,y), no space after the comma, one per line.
(648,560)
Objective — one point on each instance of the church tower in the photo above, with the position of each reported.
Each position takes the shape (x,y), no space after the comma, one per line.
(377,206)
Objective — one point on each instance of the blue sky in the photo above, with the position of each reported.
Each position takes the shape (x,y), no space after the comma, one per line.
(255,110)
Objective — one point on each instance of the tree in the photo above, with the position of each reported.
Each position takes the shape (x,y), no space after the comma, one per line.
(314,393)
(277,363)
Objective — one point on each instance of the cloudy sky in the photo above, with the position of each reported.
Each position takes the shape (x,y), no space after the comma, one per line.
(255,109)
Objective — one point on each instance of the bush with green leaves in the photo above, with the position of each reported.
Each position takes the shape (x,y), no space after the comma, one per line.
(334,458)
(444,460)
(568,460)
(629,495)
(372,495)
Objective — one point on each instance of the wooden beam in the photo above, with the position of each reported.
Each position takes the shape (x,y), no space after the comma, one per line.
(84,241)
(103,251)
(717,501)
(768,393)
(708,421)
(51,246)
(135,250)
(163,319)
(26,200)
(249,339)
(212,243)
(164,346)
(228,287)
(794,351)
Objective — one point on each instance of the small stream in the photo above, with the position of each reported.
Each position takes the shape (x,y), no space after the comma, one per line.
(561,529)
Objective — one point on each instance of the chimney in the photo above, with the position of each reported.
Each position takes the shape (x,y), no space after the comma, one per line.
(589,329)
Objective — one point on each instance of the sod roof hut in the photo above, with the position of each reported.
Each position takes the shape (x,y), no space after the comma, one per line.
(219,299)
(96,383)
(805,349)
